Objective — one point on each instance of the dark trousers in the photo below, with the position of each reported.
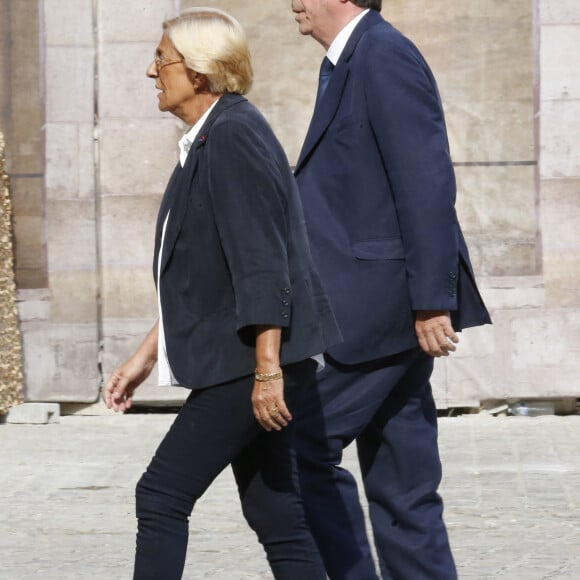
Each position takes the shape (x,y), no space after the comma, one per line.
(215,428)
(387,407)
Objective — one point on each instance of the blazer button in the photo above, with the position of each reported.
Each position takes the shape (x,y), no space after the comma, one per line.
(285,302)
(284,315)
(286,290)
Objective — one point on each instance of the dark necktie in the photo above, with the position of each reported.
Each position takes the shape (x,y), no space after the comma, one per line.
(326,69)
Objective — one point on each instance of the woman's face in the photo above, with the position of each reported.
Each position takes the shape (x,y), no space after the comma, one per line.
(172,78)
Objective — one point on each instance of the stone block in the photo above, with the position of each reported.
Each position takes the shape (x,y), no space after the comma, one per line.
(560,220)
(561,275)
(560,127)
(128,230)
(470,380)
(498,203)
(492,46)
(31,278)
(69,84)
(25,146)
(33,305)
(137,157)
(128,292)
(484,131)
(34,414)
(545,340)
(25,105)
(134,21)
(560,74)
(559,12)
(68,23)
(74,296)
(70,161)
(508,292)
(27,195)
(71,235)
(60,362)
(504,257)
(29,243)
(124,89)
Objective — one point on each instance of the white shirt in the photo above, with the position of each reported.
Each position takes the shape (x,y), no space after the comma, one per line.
(165,376)
(338,44)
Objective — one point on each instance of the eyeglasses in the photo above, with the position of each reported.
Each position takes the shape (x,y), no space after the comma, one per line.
(161,61)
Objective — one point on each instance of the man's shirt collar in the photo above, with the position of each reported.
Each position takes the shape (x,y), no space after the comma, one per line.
(338,44)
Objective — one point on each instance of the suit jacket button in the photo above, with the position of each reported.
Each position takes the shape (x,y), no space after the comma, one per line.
(286,290)
(284,315)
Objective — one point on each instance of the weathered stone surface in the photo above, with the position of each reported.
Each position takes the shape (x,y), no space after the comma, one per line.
(71,235)
(69,86)
(128,292)
(560,75)
(70,161)
(138,155)
(61,361)
(559,12)
(128,230)
(560,126)
(134,21)
(521,230)
(124,89)
(34,414)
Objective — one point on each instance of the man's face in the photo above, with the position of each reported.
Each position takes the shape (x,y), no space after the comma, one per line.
(171,78)
(312,17)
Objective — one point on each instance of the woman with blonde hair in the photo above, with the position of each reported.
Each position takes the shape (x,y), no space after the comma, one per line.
(241,309)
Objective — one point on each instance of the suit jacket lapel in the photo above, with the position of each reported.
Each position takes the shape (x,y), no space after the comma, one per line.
(324,114)
(179,187)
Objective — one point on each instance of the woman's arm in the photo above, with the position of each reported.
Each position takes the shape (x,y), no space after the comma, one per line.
(120,386)
(268,395)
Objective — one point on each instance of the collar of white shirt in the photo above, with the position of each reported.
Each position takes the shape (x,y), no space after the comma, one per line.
(187,140)
(338,44)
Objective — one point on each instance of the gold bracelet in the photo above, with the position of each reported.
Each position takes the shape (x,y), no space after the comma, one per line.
(264,377)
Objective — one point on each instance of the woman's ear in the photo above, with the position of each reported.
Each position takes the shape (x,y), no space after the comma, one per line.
(199,81)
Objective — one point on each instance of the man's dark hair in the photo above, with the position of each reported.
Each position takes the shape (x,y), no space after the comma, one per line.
(373,4)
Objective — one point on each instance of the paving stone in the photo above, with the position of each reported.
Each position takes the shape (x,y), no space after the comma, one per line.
(510,487)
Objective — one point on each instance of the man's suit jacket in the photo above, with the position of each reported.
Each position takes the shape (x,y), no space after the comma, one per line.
(236,253)
(378,190)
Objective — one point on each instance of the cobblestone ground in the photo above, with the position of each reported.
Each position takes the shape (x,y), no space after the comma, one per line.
(511,488)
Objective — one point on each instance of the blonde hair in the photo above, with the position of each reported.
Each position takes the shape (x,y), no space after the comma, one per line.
(214,44)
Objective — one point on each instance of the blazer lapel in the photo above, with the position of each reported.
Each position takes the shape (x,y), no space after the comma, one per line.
(179,188)
(324,114)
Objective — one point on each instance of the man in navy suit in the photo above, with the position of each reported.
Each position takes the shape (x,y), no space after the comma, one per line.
(378,190)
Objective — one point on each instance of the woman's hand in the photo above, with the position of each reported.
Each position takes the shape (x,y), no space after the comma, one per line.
(268,395)
(268,404)
(120,386)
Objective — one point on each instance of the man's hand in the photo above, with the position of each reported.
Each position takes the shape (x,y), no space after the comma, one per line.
(435,333)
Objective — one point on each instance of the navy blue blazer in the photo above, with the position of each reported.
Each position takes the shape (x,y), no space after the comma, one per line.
(378,190)
(236,253)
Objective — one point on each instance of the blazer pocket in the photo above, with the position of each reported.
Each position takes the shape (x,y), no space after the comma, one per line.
(379,249)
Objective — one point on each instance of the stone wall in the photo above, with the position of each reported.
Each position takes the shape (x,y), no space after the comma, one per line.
(511,91)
